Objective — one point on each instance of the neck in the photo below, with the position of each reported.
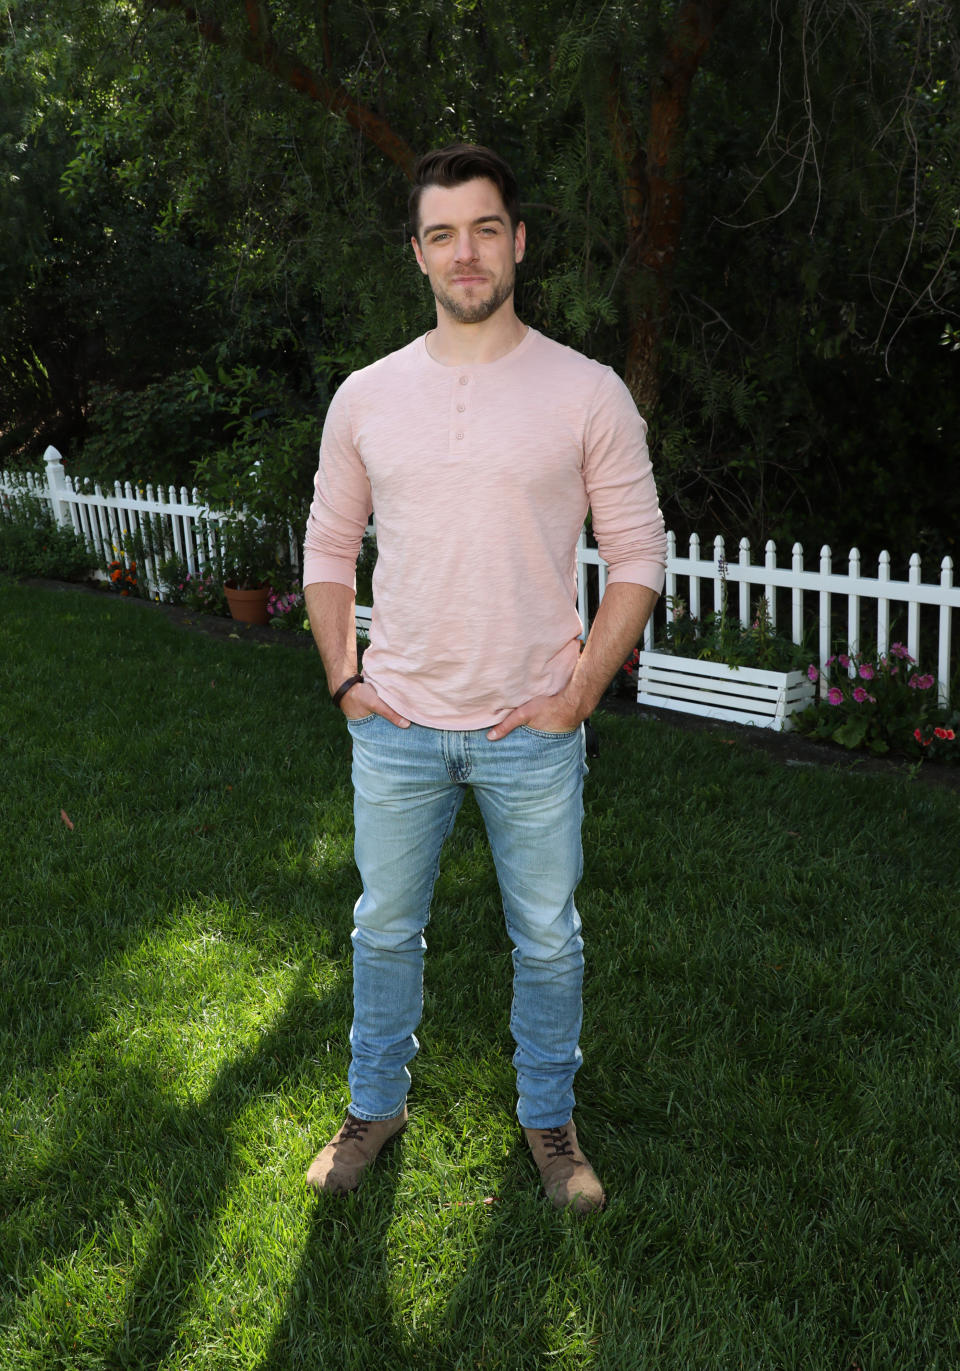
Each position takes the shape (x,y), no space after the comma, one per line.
(454,344)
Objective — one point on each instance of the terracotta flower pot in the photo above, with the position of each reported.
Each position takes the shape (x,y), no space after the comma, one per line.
(248,606)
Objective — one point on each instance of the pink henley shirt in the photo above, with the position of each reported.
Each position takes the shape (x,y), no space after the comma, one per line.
(480,477)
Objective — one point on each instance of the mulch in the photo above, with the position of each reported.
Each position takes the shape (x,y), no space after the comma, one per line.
(789,749)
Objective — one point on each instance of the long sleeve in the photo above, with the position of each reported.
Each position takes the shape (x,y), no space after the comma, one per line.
(341,504)
(627,521)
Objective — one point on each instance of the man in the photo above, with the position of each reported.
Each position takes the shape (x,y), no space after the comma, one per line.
(479,448)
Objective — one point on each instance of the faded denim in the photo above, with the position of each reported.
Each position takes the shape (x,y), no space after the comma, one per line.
(408,787)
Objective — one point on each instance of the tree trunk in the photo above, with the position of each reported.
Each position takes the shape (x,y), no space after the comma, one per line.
(653,189)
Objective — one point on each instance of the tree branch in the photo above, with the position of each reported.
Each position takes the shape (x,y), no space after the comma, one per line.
(259,48)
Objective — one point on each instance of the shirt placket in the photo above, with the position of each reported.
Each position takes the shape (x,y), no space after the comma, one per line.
(461,407)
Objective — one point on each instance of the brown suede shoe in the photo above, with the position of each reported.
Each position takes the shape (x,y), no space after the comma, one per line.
(339,1166)
(568,1178)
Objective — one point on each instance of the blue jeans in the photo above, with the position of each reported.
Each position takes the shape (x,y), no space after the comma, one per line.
(408,786)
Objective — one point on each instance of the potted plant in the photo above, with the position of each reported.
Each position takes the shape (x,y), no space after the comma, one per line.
(719,668)
(249,557)
(259,477)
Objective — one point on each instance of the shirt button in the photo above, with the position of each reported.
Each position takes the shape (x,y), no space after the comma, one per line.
(461,408)
(464,380)
(459,435)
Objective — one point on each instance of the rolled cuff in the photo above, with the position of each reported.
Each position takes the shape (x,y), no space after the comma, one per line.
(321,566)
(638,572)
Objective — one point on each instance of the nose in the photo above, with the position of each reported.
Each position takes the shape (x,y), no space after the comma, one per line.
(465,249)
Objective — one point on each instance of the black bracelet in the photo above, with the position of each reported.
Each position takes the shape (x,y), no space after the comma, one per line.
(348,684)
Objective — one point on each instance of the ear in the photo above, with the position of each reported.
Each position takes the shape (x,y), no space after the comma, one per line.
(519,241)
(419,255)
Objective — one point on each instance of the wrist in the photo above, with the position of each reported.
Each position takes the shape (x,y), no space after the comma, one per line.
(572,698)
(344,686)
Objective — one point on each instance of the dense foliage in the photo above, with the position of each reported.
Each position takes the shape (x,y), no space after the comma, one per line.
(32,543)
(749,210)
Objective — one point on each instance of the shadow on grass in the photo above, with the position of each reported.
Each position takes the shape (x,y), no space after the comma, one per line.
(185,771)
(196,1157)
(339,1311)
(350,1305)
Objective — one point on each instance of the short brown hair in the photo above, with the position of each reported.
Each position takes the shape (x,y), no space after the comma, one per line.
(452,166)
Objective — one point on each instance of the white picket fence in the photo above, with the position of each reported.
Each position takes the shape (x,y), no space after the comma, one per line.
(110,523)
(815,600)
(179,521)
(812,594)
(808,597)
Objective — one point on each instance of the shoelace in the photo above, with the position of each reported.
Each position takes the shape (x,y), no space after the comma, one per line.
(559,1140)
(354,1130)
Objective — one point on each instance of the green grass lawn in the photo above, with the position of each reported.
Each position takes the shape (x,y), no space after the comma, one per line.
(770,1087)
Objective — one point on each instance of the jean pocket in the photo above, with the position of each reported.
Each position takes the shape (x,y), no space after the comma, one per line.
(545,733)
(362,721)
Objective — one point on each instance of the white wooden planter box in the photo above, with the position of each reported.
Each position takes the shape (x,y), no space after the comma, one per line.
(742,695)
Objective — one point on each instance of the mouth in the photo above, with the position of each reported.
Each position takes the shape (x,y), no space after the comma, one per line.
(469,280)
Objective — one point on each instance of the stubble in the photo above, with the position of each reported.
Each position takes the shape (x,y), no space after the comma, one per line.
(465,312)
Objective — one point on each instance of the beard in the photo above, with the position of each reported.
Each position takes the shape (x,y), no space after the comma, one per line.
(478,311)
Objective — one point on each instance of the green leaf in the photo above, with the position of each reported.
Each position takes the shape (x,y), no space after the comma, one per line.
(852,733)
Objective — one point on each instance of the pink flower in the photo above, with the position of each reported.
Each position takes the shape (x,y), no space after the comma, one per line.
(835,696)
(918,735)
(866,672)
(920,682)
(812,673)
(830,660)
(844,660)
(947,733)
(898,650)
(860,695)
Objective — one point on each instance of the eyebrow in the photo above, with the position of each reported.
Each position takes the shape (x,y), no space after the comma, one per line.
(484,219)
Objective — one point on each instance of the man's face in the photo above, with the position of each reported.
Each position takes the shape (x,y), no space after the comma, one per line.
(467,248)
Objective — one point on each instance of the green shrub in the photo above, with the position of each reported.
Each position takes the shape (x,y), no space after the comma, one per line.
(721,637)
(366,564)
(32,543)
(201,591)
(154,434)
(267,465)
